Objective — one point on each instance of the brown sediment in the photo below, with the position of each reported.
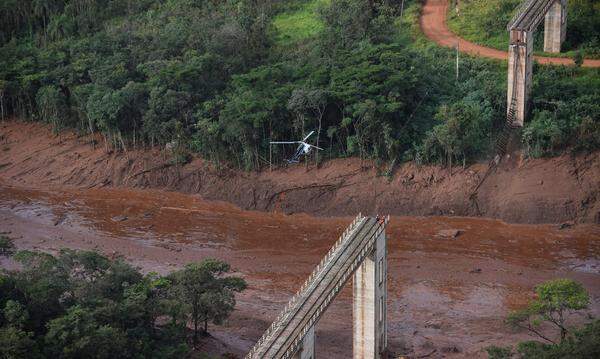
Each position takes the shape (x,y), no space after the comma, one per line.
(434,26)
(564,188)
(443,292)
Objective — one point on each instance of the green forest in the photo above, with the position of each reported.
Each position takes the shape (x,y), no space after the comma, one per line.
(221,79)
(81,304)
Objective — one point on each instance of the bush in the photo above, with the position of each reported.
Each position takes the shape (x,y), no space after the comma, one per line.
(543,135)
(584,343)
(462,135)
(7,247)
(555,300)
(495,352)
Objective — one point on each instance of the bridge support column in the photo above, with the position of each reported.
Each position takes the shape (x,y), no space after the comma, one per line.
(520,70)
(369,308)
(555,26)
(307,349)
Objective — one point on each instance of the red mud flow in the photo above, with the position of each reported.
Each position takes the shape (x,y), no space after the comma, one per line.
(554,190)
(433,24)
(447,296)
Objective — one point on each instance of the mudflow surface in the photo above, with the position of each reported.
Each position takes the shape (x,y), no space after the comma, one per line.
(452,280)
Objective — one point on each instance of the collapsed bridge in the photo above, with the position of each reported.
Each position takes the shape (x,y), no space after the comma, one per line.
(359,253)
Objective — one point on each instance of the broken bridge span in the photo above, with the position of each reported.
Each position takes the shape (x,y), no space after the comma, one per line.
(359,253)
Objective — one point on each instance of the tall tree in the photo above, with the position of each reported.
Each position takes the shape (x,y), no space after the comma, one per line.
(208,293)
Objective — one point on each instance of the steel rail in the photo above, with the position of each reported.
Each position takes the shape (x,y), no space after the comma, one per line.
(365,252)
(350,245)
(345,240)
(332,288)
(530,15)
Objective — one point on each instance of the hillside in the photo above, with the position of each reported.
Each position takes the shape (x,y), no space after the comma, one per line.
(564,188)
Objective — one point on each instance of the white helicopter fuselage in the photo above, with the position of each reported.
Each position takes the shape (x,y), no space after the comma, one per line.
(302,150)
(306,148)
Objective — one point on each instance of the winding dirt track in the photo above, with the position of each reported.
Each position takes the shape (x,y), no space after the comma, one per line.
(433,24)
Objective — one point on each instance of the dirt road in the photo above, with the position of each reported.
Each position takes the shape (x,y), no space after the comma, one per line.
(433,24)
(447,296)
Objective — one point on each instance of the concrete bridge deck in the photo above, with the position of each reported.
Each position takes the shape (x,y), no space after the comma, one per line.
(284,338)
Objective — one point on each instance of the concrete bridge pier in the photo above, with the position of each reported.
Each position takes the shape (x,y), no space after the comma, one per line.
(369,310)
(555,26)
(520,71)
(307,348)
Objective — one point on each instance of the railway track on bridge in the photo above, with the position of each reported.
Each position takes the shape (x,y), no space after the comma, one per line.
(284,338)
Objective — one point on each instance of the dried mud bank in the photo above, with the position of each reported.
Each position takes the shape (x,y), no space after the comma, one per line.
(565,188)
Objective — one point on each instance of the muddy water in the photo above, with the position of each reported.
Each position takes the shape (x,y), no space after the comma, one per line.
(447,296)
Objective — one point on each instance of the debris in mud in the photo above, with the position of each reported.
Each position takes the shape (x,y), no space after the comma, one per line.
(449,233)
(148,215)
(119,218)
(450,349)
(434,324)
(476,271)
(60,220)
(408,179)
(566,225)
(428,354)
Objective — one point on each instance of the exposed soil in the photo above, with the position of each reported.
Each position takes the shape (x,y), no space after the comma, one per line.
(565,188)
(451,280)
(433,24)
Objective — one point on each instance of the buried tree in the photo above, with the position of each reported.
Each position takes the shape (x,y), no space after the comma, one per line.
(208,294)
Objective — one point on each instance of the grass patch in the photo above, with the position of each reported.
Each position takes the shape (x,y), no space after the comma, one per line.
(483,21)
(299,23)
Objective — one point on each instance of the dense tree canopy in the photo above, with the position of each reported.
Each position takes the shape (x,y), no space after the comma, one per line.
(81,304)
(214,77)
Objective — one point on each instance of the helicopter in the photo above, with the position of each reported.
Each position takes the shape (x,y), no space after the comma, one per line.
(302,150)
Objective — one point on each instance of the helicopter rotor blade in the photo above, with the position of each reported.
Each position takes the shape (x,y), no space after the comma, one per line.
(310,134)
(318,148)
(283,142)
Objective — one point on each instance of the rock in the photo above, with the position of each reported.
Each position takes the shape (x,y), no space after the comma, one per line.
(119,218)
(449,233)
(476,270)
(450,349)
